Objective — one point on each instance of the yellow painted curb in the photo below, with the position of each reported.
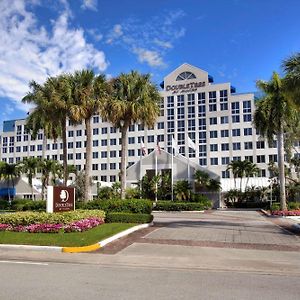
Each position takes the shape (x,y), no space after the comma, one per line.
(81,249)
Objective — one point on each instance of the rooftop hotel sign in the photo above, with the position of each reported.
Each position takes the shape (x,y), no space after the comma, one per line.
(185,88)
(60,199)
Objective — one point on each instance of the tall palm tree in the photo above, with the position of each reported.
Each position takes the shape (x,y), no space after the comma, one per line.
(134,99)
(251,169)
(291,67)
(88,93)
(10,173)
(234,167)
(272,115)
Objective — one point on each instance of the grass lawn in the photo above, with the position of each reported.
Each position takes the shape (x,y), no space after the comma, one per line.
(72,239)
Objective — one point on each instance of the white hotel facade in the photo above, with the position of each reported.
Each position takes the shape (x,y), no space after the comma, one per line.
(217,119)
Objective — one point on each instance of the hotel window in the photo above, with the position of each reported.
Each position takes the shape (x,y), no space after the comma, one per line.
(225,174)
(18,149)
(25,138)
(103,178)
(273,158)
(78,156)
(180,138)
(170,101)
(131,152)
(160,138)
(160,125)
(236,146)
(262,173)
(70,156)
(112,178)
(78,144)
(225,147)
(213,134)
(78,167)
(11,160)
(103,142)
(113,153)
(180,125)
(191,112)
(94,167)
(40,136)
(224,120)
(191,125)
(4,150)
(39,147)
(236,132)
(170,114)
(225,160)
(180,100)
(213,121)
(150,138)
(201,98)
(18,159)
(48,146)
(70,133)
(191,99)
(248,145)
(95,155)
(202,161)
(212,97)
(249,158)
(103,154)
(201,111)
(131,140)
(246,106)
(113,142)
(54,146)
(95,143)
(112,166)
(202,137)
(260,159)
(235,107)
(235,158)
(141,127)
(214,161)
(236,119)
(213,147)
(11,149)
(223,106)
(202,124)
(224,133)
(95,131)
(54,157)
(180,112)
(260,144)
(96,119)
(223,95)
(247,131)
(19,129)
(114,130)
(103,167)
(212,107)
(78,132)
(104,130)
(202,150)
(247,118)
(170,126)
(25,149)
(273,144)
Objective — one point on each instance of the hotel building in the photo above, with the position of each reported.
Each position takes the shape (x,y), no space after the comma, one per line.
(217,119)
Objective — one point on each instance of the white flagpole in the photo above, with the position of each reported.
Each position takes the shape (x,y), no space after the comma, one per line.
(141,178)
(172,179)
(155,175)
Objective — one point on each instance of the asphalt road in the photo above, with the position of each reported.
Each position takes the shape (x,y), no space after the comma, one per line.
(79,281)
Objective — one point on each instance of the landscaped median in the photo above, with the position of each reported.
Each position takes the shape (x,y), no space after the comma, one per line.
(76,231)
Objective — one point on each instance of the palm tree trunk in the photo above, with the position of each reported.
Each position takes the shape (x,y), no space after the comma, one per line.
(124,133)
(87,187)
(280,149)
(44,146)
(65,150)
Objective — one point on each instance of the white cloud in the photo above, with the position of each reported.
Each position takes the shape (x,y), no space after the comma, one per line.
(163,44)
(97,36)
(152,58)
(114,34)
(89,4)
(28,52)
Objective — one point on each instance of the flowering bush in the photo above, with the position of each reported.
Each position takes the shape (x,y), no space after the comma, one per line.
(44,228)
(286,213)
(4,227)
(83,225)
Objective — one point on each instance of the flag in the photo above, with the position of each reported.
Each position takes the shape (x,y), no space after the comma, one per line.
(143,148)
(158,149)
(174,146)
(191,144)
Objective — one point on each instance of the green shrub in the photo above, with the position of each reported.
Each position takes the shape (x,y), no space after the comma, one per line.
(27,204)
(199,198)
(181,206)
(275,206)
(4,204)
(117,205)
(294,205)
(27,218)
(116,217)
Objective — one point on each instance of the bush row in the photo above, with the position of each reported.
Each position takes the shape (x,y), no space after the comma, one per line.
(178,206)
(23,205)
(125,206)
(116,217)
(290,206)
(28,218)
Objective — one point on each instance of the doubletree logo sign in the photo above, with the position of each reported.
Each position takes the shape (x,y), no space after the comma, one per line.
(63,199)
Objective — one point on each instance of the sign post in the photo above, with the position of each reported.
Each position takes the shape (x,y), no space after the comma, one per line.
(60,199)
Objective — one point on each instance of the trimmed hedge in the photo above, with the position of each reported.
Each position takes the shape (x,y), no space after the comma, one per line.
(116,205)
(181,206)
(28,218)
(116,217)
(27,204)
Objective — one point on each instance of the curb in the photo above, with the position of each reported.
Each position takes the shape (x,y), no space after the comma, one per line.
(76,249)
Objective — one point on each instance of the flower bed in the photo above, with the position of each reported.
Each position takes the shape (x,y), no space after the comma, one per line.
(77,226)
(286,213)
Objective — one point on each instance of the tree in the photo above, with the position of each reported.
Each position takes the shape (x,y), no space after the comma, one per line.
(88,93)
(234,167)
(134,99)
(10,172)
(204,181)
(272,116)
(182,190)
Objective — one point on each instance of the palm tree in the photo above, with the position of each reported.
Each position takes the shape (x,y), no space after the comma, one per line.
(182,190)
(29,166)
(291,67)
(272,115)
(88,92)
(10,172)
(251,169)
(234,167)
(134,99)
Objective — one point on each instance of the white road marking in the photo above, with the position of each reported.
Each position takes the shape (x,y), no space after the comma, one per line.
(23,262)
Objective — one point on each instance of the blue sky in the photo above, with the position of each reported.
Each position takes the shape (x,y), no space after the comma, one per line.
(237,41)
